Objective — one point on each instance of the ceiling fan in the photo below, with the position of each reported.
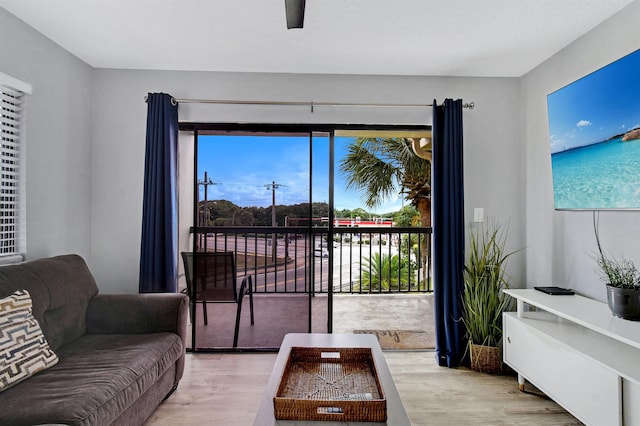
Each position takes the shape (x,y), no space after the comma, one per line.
(295,13)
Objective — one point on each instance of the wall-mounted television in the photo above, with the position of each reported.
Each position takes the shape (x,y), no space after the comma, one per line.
(594,132)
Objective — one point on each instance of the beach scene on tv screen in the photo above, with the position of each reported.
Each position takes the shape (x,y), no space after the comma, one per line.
(594,132)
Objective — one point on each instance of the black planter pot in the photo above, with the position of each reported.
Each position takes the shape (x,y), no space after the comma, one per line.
(623,302)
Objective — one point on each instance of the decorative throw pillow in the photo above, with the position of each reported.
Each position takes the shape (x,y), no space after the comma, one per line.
(24,351)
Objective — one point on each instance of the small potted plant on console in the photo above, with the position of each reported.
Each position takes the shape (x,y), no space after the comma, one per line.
(623,284)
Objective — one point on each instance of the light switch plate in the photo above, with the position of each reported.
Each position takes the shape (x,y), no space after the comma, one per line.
(478,214)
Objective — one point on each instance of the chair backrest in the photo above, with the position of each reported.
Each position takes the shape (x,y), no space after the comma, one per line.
(215,275)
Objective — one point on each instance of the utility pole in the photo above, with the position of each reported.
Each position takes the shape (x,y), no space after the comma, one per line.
(273,186)
(205,218)
(286,239)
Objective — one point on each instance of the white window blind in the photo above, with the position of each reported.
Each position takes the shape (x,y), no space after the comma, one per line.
(12,185)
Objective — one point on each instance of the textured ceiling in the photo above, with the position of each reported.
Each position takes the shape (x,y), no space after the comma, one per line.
(398,37)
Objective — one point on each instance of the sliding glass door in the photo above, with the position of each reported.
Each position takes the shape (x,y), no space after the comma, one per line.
(262,197)
(315,255)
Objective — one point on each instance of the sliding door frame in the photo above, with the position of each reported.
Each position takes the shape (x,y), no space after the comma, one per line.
(266,129)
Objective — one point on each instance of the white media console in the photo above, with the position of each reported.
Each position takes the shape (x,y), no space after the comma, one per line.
(574,350)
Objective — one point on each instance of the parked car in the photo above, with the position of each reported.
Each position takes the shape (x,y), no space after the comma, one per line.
(321,252)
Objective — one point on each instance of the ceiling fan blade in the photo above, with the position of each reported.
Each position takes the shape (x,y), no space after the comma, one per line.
(295,13)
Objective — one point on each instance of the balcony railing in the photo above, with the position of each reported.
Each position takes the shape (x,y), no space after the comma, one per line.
(347,260)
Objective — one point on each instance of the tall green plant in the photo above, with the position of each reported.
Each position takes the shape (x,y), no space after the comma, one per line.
(484,278)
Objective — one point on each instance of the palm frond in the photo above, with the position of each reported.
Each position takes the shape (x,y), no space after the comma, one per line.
(380,168)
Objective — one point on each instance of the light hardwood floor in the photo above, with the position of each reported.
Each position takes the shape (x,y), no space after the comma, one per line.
(225,389)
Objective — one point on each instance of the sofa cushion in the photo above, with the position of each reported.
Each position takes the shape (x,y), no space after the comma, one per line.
(60,288)
(97,378)
(23,349)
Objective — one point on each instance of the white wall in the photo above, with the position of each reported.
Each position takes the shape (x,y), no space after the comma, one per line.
(85,151)
(58,139)
(561,243)
(494,160)
(86,131)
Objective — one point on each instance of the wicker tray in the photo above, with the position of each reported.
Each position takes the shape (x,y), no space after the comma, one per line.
(337,384)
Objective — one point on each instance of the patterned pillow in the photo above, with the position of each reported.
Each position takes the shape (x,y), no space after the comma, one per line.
(24,351)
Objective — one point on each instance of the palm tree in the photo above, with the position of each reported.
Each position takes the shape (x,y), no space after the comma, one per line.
(382,167)
(384,272)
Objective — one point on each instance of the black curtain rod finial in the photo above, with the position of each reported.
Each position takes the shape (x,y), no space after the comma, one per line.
(174,102)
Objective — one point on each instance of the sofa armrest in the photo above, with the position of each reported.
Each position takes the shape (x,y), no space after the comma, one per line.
(138,314)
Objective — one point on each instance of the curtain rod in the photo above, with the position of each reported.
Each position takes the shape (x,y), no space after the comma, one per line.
(311,104)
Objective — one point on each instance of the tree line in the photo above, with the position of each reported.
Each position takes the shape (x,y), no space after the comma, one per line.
(226,213)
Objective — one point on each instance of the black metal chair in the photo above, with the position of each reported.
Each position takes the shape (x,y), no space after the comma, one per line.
(216,282)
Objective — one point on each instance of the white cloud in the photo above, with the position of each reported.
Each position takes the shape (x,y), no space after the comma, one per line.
(555,141)
(583,123)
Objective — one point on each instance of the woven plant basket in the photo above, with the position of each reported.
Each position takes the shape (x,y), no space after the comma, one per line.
(486,359)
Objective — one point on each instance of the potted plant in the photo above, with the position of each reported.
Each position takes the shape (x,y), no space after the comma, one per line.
(483,300)
(622,279)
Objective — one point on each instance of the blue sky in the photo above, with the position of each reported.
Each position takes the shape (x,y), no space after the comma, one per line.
(245,167)
(596,107)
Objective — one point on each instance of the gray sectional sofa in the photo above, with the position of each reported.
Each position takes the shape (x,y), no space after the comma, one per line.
(119,356)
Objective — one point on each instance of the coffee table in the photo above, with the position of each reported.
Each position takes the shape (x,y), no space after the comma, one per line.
(396,415)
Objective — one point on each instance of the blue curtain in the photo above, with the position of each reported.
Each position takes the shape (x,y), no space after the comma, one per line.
(158,251)
(448,231)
